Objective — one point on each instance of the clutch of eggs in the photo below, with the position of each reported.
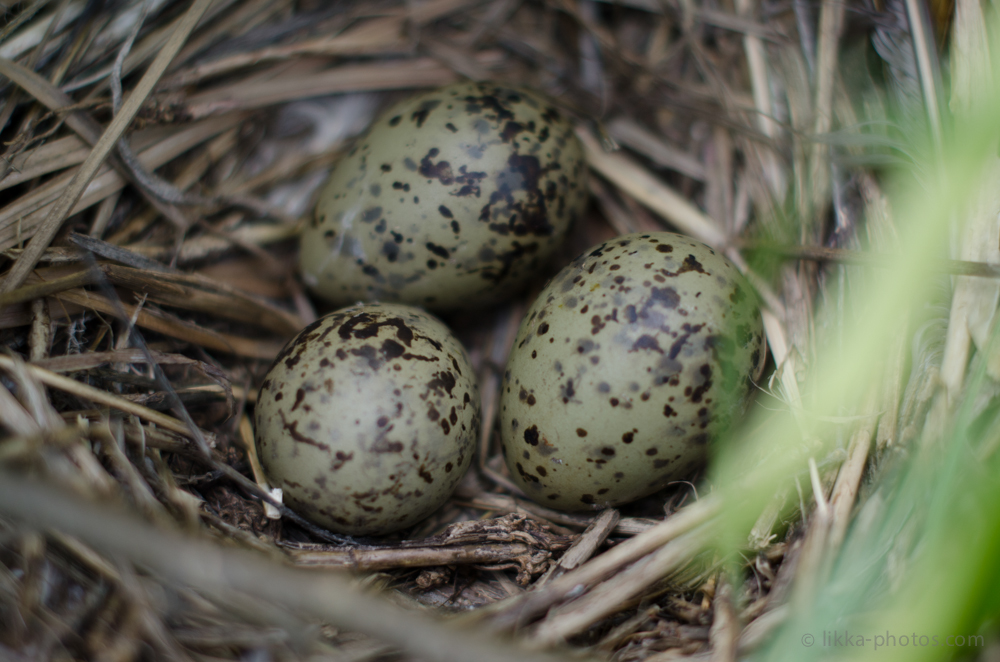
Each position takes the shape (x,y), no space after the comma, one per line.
(368,418)
(632,359)
(453,197)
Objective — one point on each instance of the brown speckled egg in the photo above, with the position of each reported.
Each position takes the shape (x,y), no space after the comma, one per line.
(452,198)
(627,365)
(368,418)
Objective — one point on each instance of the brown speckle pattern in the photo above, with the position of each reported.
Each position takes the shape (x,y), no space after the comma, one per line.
(453,197)
(659,363)
(376,409)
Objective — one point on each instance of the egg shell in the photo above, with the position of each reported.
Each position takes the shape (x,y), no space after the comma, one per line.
(368,418)
(624,369)
(452,198)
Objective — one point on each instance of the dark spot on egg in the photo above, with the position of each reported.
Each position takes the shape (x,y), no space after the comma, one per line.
(596,324)
(391,250)
(691,263)
(510,131)
(419,116)
(440,171)
(567,391)
(440,251)
(646,342)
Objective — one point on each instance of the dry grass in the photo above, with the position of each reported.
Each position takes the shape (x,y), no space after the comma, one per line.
(145,290)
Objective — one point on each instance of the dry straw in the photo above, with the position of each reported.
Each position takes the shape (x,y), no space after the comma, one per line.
(148,279)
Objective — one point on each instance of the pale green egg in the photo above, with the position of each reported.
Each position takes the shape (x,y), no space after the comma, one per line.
(368,418)
(452,198)
(632,359)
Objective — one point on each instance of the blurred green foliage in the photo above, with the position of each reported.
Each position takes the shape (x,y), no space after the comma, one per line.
(919,570)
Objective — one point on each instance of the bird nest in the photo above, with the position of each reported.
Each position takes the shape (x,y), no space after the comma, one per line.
(159,157)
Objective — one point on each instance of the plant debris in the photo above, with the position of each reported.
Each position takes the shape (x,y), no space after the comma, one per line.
(158,160)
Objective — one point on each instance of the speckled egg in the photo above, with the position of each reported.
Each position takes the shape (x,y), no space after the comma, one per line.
(452,198)
(628,364)
(368,418)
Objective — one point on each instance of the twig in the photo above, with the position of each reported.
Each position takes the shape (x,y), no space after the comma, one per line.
(371,560)
(528,605)
(33,35)
(31,394)
(608,597)
(87,392)
(922,34)
(647,143)
(725,632)
(40,336)
(172,326)
(246,436)
(584,547)
(810,563)
(288,85)
(872,259)
(375,36)
(831,24)
(499,345)
(156,186)
(15,418)
(845,490)
(628,526)
(759,81)
(35,291)
(656,195)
